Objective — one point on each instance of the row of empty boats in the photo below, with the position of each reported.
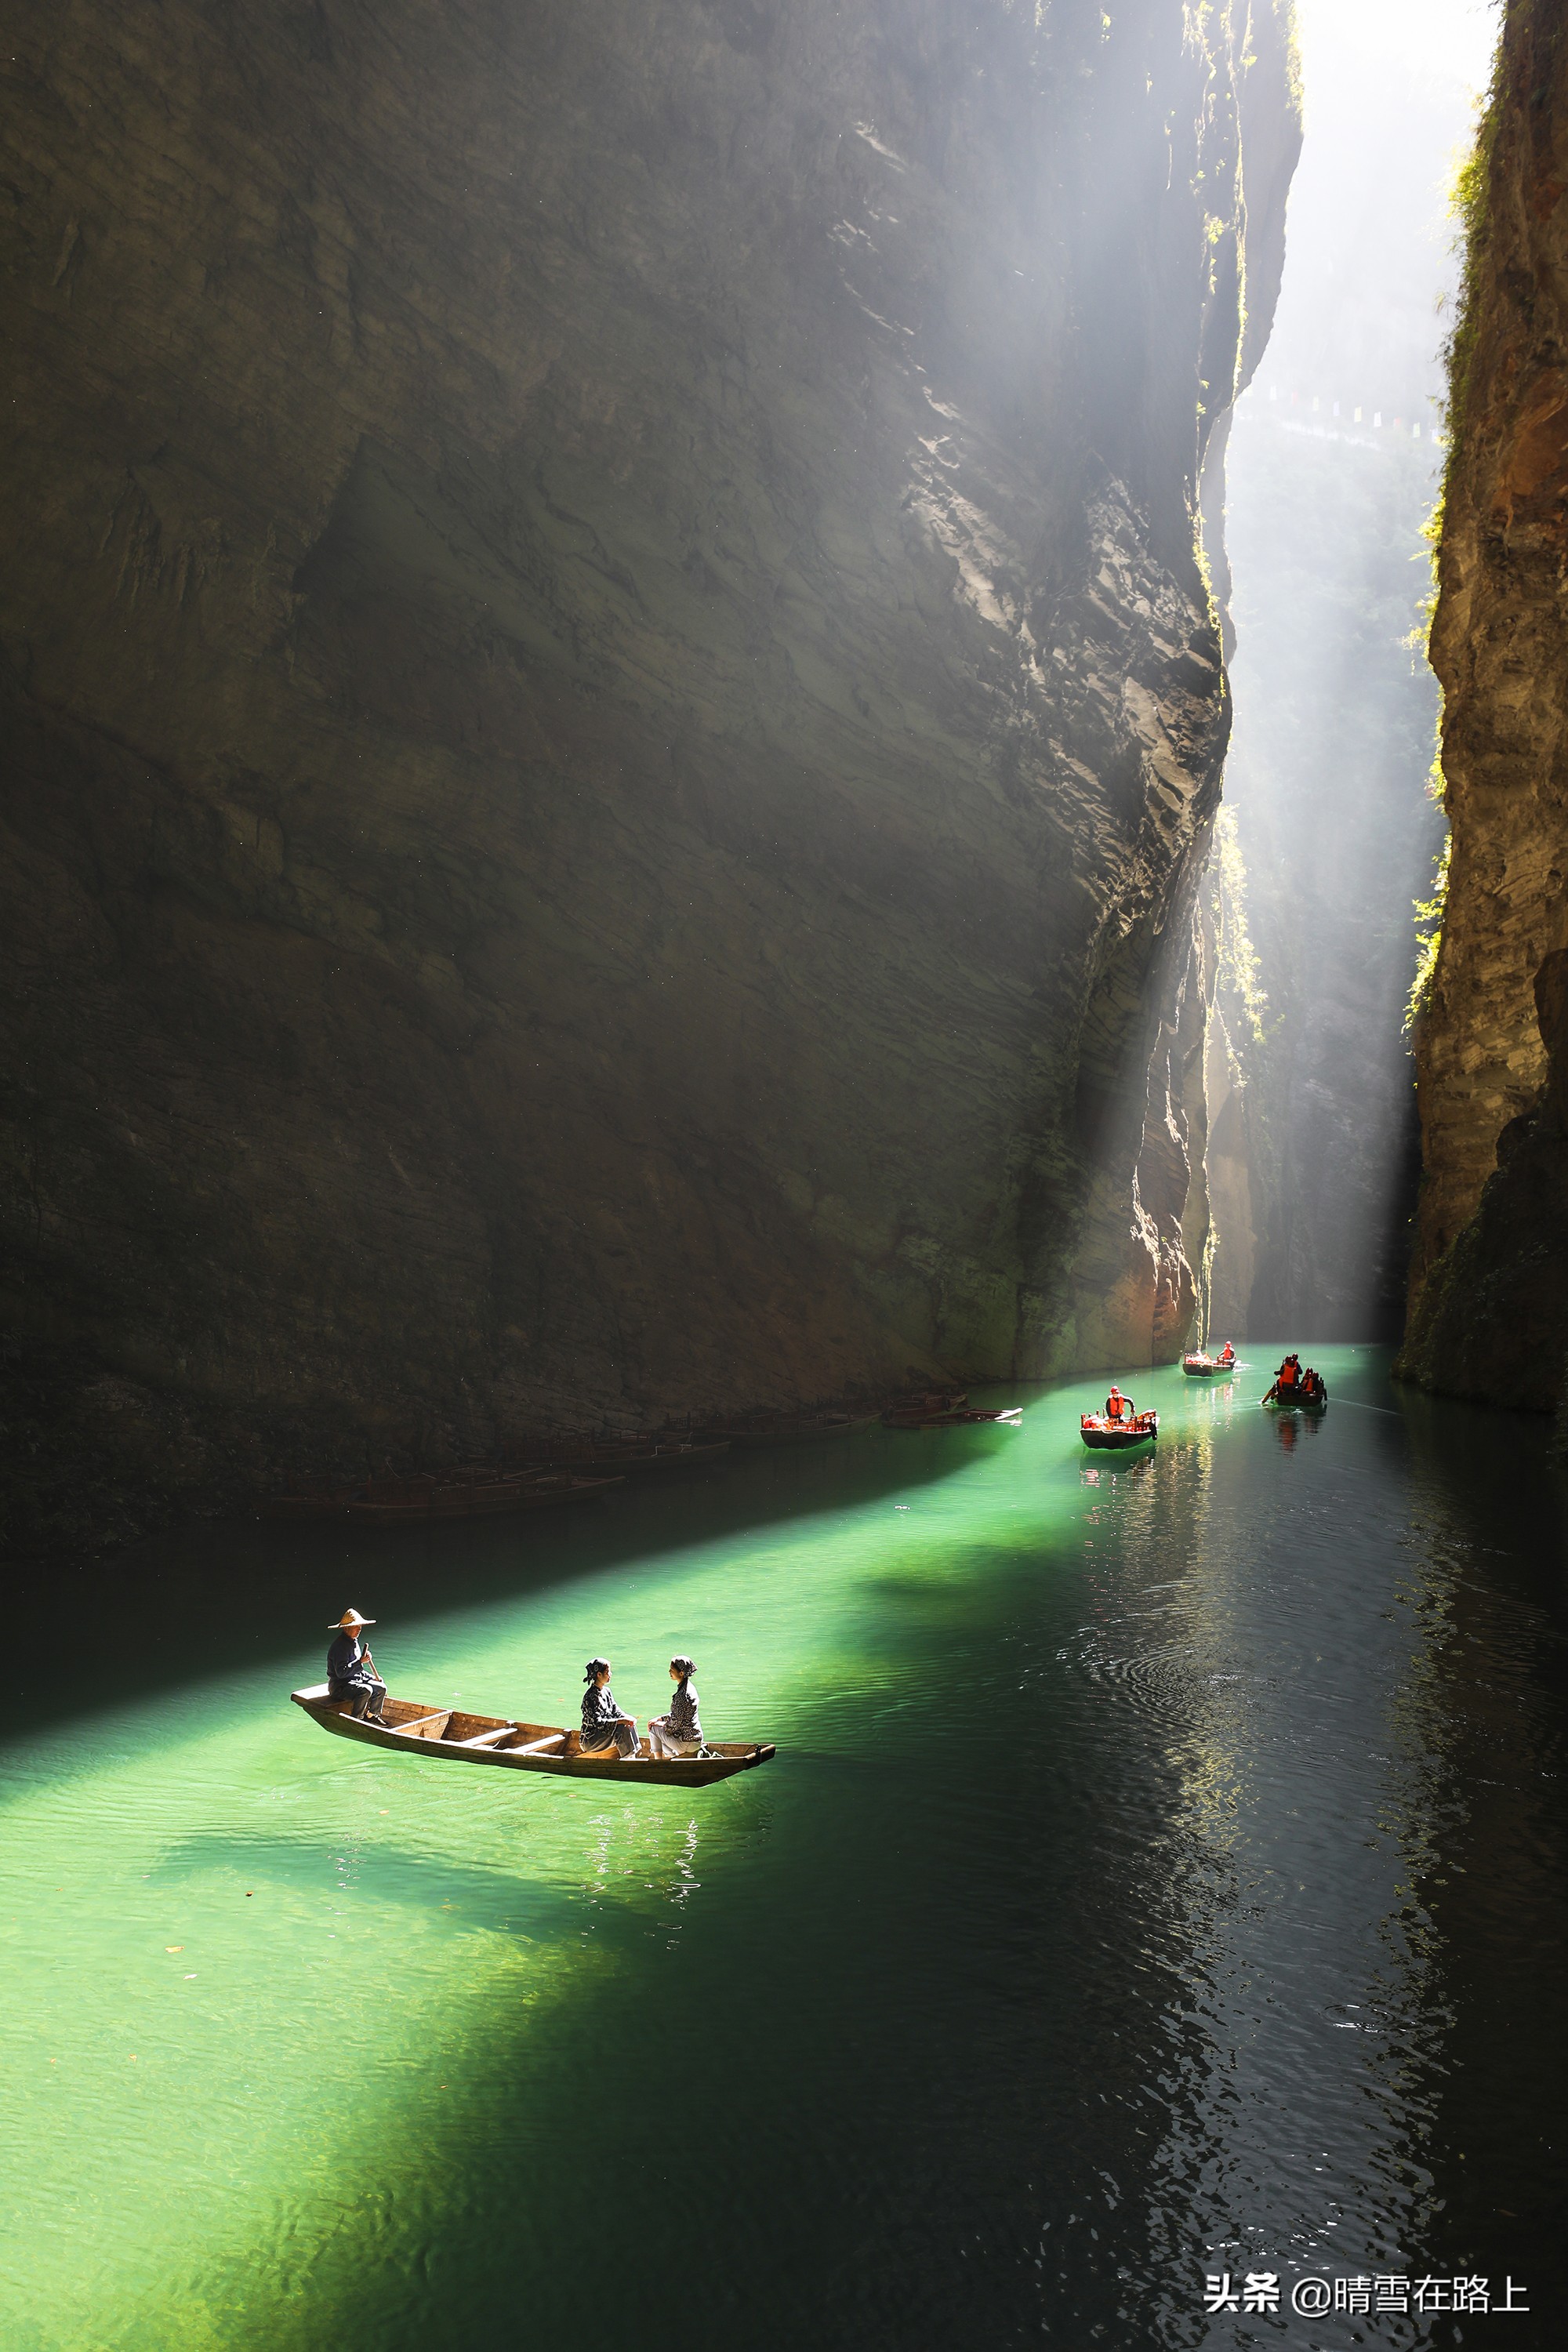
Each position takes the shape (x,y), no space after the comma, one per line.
(575,1470)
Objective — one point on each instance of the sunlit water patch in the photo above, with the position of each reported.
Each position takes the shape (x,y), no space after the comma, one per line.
(1155,1858)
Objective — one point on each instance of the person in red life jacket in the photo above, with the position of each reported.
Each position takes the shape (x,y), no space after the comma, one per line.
(1286,1381)
(1227,1354)
(1117,1406)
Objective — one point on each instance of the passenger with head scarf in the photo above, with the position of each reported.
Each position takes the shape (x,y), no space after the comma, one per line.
(605,1730)
(679,1733)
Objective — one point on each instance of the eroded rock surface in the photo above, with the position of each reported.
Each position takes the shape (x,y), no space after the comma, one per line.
(612,706)
(1490,1276)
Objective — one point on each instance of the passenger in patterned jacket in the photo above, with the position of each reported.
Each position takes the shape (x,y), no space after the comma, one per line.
(679,1733)
(603,1726)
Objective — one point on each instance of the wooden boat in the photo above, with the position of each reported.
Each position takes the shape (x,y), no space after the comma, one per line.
(413,1728)
(1297,1403)
(1117,1436)
(622,1457)
(674,1455)
(306,1506)
(790,1429)
(1200,1366)
(474,1498)
(1008,1416)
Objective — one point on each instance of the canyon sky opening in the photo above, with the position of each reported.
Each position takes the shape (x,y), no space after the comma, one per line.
(1335,466)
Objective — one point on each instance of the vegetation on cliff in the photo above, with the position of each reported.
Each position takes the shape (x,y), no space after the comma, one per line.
(1489,1279)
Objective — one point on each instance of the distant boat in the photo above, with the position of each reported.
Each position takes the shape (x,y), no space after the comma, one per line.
(1201,1366)
(413,1728)
(1117,1436)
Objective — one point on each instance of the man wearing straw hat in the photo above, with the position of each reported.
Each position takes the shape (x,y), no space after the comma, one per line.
(350,1669)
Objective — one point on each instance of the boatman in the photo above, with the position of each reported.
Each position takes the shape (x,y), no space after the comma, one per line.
(350,1669)
(1117,1406)
(605,1730)
(679,1733)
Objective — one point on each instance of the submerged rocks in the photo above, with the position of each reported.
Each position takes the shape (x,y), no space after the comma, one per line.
(613,702)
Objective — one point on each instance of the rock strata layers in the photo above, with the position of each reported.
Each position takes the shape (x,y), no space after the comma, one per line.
(1490,1273)
(613,707)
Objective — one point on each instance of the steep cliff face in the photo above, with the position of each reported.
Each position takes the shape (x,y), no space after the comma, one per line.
(612,704)
(1490,1277)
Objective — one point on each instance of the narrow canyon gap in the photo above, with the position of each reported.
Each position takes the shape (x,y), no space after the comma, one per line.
(1330,833)
(614,710)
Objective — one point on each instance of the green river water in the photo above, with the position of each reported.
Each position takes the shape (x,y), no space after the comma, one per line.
(1162,1872)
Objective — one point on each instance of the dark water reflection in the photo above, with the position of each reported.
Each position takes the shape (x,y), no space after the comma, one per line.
(1168,1880)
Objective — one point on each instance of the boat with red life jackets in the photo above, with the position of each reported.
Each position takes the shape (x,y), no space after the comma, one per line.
(1119,1427)
(1199,1365)
(1297,1391)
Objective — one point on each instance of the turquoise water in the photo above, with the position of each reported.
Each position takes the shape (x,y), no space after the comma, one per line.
(1160,1873)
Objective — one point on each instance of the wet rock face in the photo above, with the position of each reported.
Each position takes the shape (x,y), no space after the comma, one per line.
(610,699)
(1491,1265)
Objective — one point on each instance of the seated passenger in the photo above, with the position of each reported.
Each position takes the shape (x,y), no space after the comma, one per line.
(1289,1372)
(1227,1354)
(679,1733)
(605,1728)
(350,1669)
(1117,1406)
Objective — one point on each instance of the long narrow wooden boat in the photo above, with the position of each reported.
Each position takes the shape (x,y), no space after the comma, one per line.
(413,1728)
(474,1500)
(997,1416)
(1117,1436)
(791,1429)
(674,1455)
(306,1507)
(637,1458)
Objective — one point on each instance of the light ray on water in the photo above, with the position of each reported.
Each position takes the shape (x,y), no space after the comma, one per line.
(1089,1926)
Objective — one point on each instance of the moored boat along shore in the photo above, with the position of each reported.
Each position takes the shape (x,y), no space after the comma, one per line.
(574,1469)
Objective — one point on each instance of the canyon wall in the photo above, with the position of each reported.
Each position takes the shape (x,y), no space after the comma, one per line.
(613,708)
(1490,1282)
